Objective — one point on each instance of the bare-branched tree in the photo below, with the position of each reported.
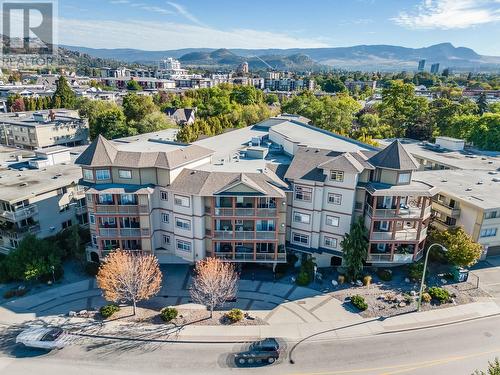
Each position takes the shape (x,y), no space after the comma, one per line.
(214,283)
(128,276)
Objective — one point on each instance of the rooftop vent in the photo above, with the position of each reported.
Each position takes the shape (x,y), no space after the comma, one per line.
(444,180)
(496,179)
(468,189)
(492,172)
(480,182)
(23,184)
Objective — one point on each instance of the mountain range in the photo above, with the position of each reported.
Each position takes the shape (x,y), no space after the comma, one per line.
(361,57)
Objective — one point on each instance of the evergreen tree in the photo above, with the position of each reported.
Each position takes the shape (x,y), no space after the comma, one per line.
(482,103)
(63,97)
(355,249)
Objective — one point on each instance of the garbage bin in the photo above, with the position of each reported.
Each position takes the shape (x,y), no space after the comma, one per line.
(460,275)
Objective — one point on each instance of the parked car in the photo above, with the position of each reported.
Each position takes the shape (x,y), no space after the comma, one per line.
(263,351)
(43,338)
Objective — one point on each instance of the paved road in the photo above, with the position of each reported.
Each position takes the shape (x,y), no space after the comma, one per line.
(456,349)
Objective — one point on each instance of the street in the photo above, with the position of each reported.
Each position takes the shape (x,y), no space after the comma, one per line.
(455,349)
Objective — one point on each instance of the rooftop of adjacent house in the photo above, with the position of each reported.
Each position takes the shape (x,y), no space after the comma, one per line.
(477,187)
(465,159)
(39,118)
(18,181)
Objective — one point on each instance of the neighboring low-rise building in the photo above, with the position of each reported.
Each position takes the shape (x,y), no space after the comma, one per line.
(33,130)
(181,116)
(252,194)
(39,194)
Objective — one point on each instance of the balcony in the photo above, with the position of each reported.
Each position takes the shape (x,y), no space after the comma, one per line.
(20,214)
(251,257)
(121,209)
(124,232)
(403,213)
(249,212)
(400,235)
(445,209)
(16,233)
(80,210)
(244,235)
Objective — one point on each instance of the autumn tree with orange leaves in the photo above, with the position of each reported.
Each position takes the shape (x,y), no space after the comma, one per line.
(128,276)
(214,283)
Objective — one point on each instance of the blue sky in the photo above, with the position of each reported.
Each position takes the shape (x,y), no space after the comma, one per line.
(159,24)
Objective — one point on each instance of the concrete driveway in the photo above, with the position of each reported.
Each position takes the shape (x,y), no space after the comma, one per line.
(489,276)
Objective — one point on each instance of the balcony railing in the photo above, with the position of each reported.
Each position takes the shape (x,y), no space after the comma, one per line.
(377,258)
(244,235)
(16,233)
(20,213)
(80,210)
(124,232)
(121,209)
(238,212)
(404,213)
(400,235)
(445,209)
(251,257)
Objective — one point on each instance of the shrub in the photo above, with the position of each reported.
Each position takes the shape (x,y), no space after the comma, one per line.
(426,297)
(367,280)
(107,310)
(442,295)
(415,271)
(303,278)
(359,302)
(16,292)
(168,313)
(234,315)
(91,268)
(384,274)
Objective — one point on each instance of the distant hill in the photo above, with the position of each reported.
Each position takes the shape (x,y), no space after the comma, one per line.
(362,57)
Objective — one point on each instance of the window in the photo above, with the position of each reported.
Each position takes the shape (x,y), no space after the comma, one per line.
(183,245)
(91,218)
(337,176)
(303,193)
(299,217)
(164,217)
(105,198)
(88,174)
(102,174)
(404,178)
(64,207)
(128,199)
(182,223)
(166,239)
(440,198)
(163,195)
(334,198)
(66,224)
(125,173)
(94,240)
(330,242)
(62,191)
(90,198)
(180,200)
(300,238)
(490,215)
(490,232)
(332,221)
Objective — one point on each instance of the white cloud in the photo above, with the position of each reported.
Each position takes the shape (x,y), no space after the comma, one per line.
(450,14)
(148,35)
(184,12)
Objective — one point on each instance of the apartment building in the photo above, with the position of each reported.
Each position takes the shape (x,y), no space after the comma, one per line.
(252,195)
(467,183)
(41,129)
(39,194)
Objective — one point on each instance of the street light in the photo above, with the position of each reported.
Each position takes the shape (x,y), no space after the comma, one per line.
(423,274)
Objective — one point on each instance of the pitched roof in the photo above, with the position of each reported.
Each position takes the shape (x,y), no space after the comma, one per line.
(343,162)
(305,164)
(394,156)
(102,153)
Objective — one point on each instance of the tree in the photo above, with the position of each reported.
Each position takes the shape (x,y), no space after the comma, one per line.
(152,122)
(462,250)
(131,277)
(133,85)
(272,99)
(493,368)
(334,84)
(214,283)
(355,250)
(18,105)
(482,103)
(110,123)
(136,107)
(63,97)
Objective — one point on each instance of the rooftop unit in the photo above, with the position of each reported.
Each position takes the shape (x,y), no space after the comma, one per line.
(452,144)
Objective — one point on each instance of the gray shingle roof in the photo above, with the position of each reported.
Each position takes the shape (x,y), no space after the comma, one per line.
(305,164)
(102,153)
(394,156)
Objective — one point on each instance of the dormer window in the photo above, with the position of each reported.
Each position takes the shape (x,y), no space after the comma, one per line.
(404,178)
(337,176)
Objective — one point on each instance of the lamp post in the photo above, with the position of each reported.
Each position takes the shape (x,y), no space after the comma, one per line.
(423,274)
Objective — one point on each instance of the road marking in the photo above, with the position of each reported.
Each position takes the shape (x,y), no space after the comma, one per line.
(398,369)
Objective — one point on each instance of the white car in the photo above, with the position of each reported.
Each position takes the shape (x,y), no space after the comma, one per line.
(43,338)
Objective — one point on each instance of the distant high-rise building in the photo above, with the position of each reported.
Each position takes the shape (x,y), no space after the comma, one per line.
(421,65)
(242,68)
(435,68)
